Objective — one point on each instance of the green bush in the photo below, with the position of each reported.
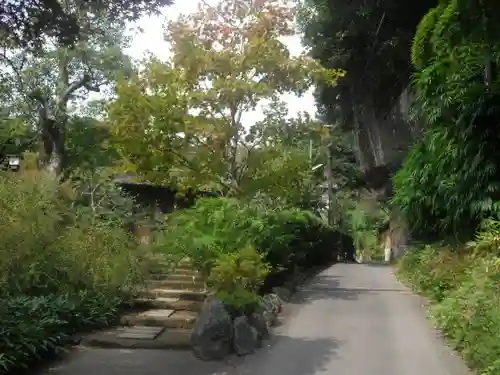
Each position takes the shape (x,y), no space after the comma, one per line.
(32,327)
(215,226)
(363,226)
(435,270)
(59,272)
(215,230)
(237,277)
(463,288)
(470,317)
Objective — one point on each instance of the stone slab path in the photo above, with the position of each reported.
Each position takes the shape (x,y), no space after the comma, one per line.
(349,320)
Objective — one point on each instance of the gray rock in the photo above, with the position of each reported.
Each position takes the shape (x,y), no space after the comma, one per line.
(271,302)
(283,293)
(212,335)
(270,318)
(245,338)
(261,324)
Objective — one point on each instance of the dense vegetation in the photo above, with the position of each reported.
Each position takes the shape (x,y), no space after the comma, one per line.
(370,40)
(67,259)
(447,54)
(62,270)
(222,236)
(462,285)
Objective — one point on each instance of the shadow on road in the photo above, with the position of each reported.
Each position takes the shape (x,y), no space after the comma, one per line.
(324,286)
(310,356)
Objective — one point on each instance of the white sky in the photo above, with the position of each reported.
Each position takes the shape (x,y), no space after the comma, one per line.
(151,40)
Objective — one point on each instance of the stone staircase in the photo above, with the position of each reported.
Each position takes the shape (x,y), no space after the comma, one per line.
(164,314)
(170,301)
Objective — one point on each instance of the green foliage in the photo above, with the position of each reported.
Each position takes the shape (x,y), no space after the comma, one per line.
(88,146)
(237,277)
(59,271)
(463,287)
(450,180)
(363,226)
(31,22)
(211,227)
(367,39)
(221,73)
(217,232)
(33,327)
(487,240)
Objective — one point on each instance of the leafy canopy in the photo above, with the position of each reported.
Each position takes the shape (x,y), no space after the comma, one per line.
(181,121)
(367,39)
(26,23)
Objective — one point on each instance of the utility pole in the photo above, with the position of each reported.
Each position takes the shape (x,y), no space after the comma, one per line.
(310,151)
(329,178)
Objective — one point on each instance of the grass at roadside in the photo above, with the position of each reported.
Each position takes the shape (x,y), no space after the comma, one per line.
(462,285)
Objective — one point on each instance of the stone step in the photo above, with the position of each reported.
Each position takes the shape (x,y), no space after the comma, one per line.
(172,339)
(185,262)
(161,318)
(184,275)
(188,295)
(176,284)
(168,303)
(184,269)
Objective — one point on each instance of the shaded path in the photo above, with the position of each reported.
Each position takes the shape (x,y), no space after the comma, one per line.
(355,319)
(350,320)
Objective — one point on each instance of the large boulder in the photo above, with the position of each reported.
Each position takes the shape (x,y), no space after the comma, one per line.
(246,337)
(261,323)
(212,335)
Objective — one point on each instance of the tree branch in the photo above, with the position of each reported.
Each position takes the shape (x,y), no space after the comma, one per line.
(82,82)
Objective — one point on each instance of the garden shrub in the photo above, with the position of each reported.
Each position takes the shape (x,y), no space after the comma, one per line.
(237,277)
(462,285)
(210,228)
(59,272)
(222,227)
(32,327)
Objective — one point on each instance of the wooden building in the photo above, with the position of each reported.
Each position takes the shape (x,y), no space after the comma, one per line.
(154,201)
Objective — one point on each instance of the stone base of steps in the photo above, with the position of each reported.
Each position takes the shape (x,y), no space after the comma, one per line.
(187,295)
(183,276)
(168,303)
(172,339)
(161,318)
(176,284)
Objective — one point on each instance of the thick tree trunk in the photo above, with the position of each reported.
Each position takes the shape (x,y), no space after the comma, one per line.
(52,154)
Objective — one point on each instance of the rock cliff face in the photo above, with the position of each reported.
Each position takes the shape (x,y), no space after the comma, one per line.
(381,144)
(384,140)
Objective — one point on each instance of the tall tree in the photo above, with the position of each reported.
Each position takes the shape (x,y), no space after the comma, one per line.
(371,40)
(180,121)
(45,84)
(26,23)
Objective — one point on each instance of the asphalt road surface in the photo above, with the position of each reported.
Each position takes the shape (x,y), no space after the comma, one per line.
(352,319)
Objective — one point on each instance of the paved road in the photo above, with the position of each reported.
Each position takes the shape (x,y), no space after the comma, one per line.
(350,320)
(356,319)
